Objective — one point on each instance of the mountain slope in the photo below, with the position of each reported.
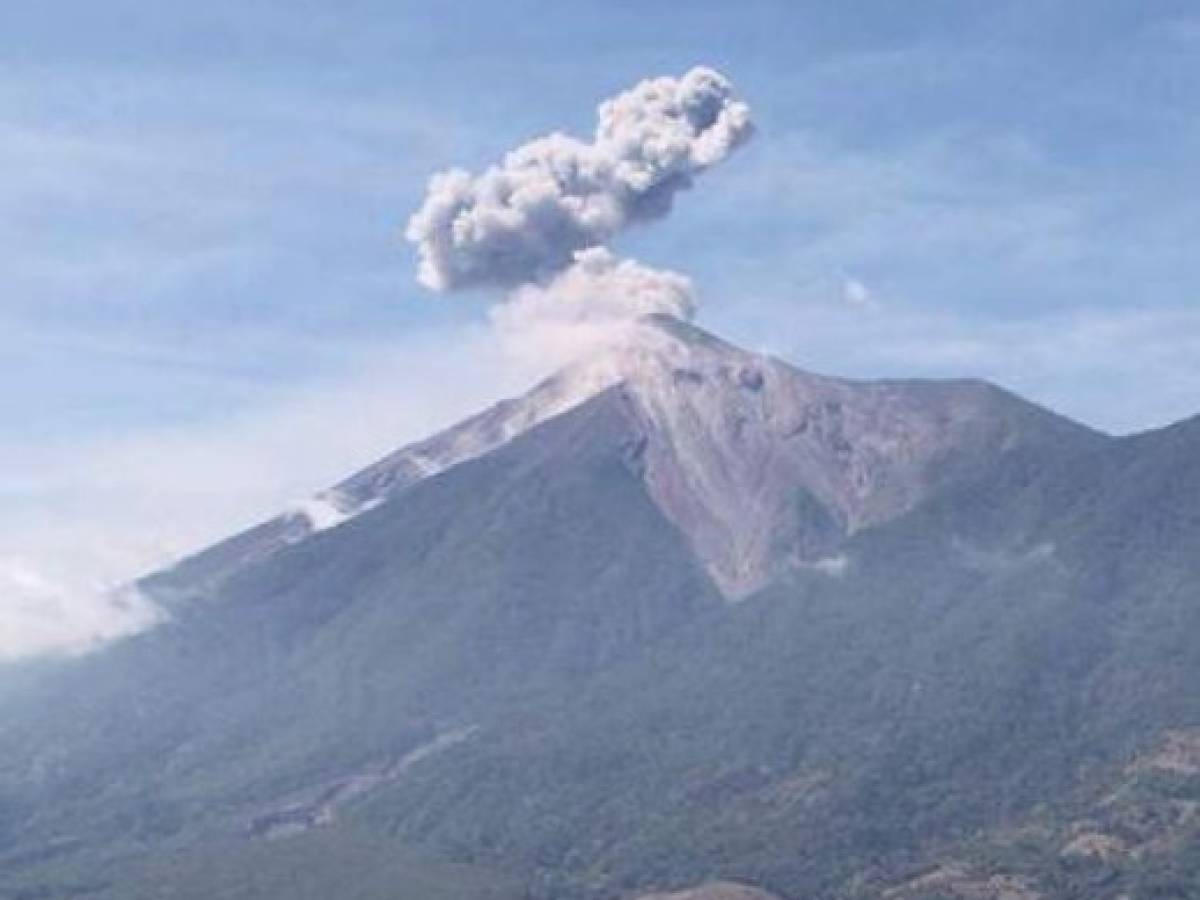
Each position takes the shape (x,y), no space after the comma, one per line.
(832,732)
(763,467)
(1130,831)
(510,578)
(512,647)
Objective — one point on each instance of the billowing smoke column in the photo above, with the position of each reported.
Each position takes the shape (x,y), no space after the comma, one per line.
(587,305)
(537,222)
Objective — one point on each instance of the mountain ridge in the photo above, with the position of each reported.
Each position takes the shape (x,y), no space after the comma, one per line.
(726,431)
(525,662)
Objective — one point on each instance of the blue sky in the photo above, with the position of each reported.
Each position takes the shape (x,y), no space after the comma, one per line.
(201,258)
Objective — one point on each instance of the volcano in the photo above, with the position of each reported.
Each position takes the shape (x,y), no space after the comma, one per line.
(682,615)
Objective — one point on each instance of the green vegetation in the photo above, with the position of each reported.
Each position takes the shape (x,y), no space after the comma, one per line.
(967,691)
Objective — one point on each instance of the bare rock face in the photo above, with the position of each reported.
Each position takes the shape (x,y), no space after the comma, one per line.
(962,884)
(767,468)
(1178,754)
(718,890)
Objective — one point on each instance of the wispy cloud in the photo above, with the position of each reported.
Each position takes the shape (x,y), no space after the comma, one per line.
(856,294)
(82,517)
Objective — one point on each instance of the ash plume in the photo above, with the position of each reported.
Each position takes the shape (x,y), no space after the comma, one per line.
(587,306)
(523,221)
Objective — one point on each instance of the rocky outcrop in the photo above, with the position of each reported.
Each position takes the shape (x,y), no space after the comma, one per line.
(717,890)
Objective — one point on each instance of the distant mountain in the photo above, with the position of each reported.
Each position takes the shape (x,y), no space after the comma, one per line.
(683,617)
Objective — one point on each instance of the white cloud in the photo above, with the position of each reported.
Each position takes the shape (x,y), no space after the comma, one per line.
(41,612)
(858,295)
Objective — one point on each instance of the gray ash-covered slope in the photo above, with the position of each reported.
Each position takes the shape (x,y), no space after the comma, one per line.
(682,615)
(763,467)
